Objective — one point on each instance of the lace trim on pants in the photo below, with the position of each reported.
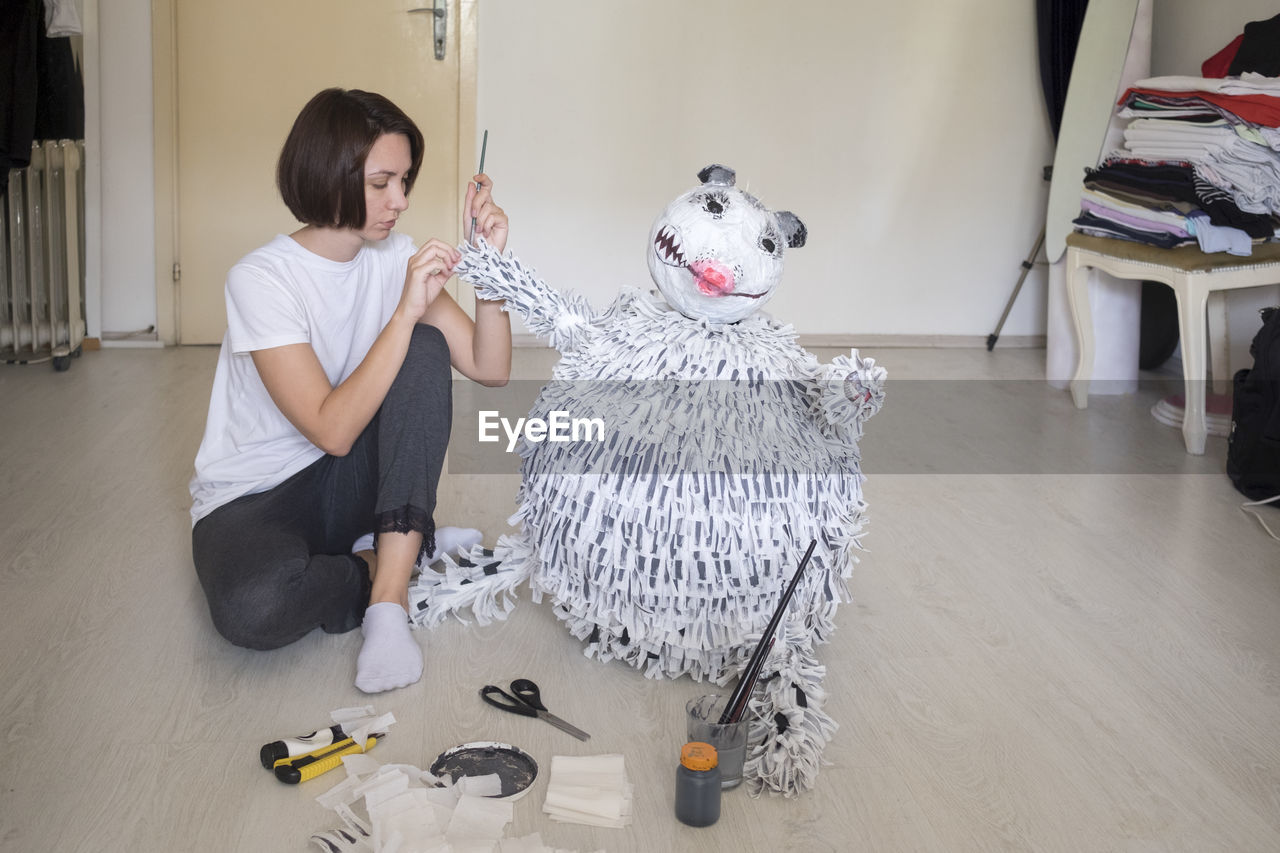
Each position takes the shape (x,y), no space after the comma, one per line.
(410,519)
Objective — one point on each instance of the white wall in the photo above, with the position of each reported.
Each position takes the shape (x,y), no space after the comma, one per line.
(910,137)
(127,262)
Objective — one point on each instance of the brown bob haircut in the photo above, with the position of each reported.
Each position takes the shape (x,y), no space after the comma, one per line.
(321,170)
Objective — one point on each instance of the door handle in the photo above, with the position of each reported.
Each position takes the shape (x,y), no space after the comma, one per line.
(440,11)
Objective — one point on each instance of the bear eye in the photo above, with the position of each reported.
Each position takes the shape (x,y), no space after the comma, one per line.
(715,203)
(769,243)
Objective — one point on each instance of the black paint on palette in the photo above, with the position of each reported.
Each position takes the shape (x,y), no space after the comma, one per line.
(514,768)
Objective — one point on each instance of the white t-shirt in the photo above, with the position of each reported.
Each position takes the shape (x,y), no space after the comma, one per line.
(276,295)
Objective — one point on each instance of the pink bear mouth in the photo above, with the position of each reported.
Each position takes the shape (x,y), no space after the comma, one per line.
(712,278)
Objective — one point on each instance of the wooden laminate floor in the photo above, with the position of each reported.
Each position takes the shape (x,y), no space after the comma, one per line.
(1065,636)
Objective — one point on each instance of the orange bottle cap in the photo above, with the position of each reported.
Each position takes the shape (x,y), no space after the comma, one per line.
(697,755)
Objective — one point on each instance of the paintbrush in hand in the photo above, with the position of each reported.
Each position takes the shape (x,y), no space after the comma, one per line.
(471,238)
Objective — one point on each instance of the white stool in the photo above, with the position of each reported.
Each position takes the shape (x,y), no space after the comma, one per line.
(1193,275)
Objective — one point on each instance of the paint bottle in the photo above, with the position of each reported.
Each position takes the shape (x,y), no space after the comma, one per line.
(698,785)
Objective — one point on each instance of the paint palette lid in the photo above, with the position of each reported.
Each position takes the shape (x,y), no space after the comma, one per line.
(514,768)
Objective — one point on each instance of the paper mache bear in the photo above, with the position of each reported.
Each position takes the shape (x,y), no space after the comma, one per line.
(668,542)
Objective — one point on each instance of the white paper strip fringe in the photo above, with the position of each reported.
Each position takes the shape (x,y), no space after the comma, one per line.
(483,582)
(409,810)
(669,543)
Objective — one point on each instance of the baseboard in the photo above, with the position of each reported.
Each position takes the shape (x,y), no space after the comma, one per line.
(531,341)
(922,341)
(871,341)
(131,343)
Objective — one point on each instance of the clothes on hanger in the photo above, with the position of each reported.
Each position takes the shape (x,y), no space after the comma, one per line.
(59,91)
(21,23)
(61,19)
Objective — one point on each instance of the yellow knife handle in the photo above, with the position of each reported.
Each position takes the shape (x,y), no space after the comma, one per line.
(315,754)
(293,775)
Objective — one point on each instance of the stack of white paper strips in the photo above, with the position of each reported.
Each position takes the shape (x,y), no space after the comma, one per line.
(409,813)
(589,789)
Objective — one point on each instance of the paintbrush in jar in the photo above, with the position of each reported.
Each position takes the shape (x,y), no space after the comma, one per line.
(737,704)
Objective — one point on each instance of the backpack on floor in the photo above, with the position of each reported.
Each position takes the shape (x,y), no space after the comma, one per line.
(1253,447)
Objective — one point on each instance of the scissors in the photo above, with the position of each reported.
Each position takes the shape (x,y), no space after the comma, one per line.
(527,702)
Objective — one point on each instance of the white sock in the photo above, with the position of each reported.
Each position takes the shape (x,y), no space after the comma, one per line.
(390,657)
(451,540)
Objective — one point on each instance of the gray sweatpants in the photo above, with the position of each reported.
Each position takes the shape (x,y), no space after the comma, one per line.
(277,564)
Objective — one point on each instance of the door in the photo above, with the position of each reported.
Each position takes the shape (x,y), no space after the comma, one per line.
(244,69)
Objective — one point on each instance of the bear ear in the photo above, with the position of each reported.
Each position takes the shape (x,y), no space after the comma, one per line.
(793,228)
(716,174)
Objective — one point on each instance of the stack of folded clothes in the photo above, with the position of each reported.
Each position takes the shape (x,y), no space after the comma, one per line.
(1167,203)
(1200,163)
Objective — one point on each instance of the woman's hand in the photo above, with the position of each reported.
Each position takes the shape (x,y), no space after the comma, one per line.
(491,220)
(428,270)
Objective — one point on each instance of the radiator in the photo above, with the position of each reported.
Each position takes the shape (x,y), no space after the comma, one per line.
(42,257)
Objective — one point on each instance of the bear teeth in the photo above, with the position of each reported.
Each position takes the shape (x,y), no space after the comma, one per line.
(669,249)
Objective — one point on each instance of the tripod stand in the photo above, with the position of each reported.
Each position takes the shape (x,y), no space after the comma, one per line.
(1027,266)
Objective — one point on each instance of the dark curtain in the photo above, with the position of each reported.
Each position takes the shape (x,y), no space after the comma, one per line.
(1058,24)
